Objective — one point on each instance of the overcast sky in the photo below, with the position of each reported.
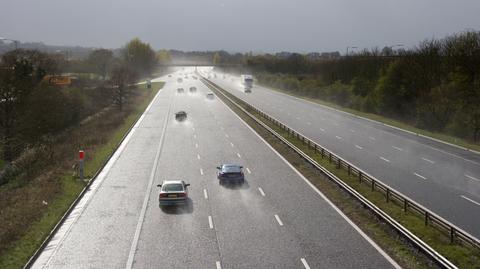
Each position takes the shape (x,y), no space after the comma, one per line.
(237,25)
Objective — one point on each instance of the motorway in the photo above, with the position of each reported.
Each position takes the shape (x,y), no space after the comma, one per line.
(275,220)
(442,178)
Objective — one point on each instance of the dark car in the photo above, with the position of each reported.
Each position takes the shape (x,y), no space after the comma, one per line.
(180,90)
(230,174)
(210,96)
(248,90)
(173,192)
(181,115)
(193,89)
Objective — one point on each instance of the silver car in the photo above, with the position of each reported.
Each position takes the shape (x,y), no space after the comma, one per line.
(173,192)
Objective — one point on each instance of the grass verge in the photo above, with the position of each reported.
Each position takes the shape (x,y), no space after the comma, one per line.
(407,256)
(19,251)
(440,136)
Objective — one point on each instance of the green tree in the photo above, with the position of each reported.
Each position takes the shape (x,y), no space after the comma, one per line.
(20,73)
(100,60)
(216,59)
(122,76)
(140,57)
(163,57)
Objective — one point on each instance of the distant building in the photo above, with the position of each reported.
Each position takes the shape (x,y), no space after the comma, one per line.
(323,55)
(283,54)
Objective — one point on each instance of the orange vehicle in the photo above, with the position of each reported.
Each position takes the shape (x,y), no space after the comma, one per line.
(58,80)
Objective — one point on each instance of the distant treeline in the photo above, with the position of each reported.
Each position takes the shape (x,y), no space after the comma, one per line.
(435,85)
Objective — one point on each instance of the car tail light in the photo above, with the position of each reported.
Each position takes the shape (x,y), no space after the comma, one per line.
(182,195)
(163,195)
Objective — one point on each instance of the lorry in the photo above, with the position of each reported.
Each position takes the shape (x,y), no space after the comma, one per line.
(247,82)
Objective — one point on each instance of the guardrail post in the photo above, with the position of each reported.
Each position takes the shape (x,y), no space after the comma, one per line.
(405,205)
(339,163)
(426,218)
(452,234)
(349,169)
(315,148)
(388,195)
(360,177)
(330,157)
(373,185)
(323,151)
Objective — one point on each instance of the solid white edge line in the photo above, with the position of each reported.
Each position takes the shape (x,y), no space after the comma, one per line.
(305,264)
(420,176)
(348,220)
(219,265)
(278,220)
(205,193)
(261,191)
(141,218)
(210,222)
(468,199)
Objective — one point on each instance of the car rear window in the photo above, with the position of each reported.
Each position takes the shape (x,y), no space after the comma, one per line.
(231,169)
(173,187)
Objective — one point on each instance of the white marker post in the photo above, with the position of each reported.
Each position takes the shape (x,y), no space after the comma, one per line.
(81,155)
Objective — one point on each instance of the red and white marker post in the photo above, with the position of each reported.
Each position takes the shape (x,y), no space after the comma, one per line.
(81,156)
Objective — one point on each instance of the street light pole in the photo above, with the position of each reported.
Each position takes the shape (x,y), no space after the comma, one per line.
(15,42)
(350,47)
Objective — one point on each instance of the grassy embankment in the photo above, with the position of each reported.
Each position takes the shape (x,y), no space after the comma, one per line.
(59,187)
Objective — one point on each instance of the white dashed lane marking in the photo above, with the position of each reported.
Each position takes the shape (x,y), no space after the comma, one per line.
(238,155)
(248,170)
(210,222)
(201,171)
(261,191)
(231,144)
(371,138)
(427,160)
(384,159)
(305,264)
(397,148)
(205,194)
(472,178)
(338,137)
(358,147)
(278,220)
(420,176)
(470,200)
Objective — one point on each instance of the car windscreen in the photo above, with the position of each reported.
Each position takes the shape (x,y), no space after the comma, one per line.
(231,169)
(173,187)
